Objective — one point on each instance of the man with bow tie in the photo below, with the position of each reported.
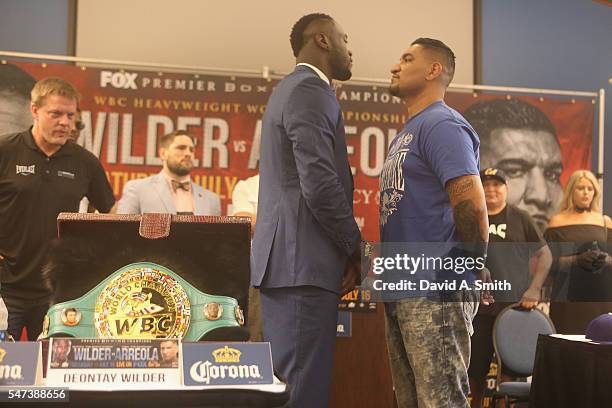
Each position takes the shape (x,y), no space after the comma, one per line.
(170,191)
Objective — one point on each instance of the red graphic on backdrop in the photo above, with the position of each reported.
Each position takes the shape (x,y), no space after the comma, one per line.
(125,113)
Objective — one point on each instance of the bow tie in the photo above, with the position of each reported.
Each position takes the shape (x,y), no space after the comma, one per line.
(185,185)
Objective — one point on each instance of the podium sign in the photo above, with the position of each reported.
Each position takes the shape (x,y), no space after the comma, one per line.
(227,364)
(113,363)
(344,325)
(20,363)
(358,300)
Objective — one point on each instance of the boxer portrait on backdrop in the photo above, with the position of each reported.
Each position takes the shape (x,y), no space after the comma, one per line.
(517,138)
(15,88)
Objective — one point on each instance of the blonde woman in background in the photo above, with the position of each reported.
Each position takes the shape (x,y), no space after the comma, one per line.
(579,237)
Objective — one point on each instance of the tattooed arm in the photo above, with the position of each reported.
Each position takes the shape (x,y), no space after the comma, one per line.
(469,210)
(470,213)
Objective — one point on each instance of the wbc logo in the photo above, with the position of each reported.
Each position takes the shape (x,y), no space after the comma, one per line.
(142,303)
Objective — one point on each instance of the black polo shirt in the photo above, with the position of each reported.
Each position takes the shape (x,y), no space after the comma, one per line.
(34,189)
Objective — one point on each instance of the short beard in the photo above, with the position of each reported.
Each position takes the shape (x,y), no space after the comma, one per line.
(179,170)
(341,72)
(345,75)
(394,90)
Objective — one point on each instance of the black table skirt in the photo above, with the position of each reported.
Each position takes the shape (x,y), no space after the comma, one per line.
(571,374)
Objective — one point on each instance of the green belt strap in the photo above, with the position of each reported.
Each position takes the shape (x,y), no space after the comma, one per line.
(143,300)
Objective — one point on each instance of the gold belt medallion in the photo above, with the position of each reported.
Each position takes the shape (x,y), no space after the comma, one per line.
(142,302)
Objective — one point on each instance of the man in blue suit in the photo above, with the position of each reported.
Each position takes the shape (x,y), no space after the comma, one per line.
(306,245)
(170,191)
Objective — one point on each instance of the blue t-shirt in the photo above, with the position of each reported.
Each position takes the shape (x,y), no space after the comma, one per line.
(435,146)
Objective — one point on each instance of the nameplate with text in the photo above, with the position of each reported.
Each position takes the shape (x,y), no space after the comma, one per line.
(113,363)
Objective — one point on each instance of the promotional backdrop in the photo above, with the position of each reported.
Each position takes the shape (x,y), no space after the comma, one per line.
(125,113)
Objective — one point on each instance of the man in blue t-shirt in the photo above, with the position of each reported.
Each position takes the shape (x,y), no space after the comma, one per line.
(431,192)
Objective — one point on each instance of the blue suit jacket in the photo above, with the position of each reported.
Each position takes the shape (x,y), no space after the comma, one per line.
(152,195)
(305,224)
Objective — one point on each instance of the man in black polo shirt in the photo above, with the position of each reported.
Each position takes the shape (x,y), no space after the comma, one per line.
(42,173)
(514,239)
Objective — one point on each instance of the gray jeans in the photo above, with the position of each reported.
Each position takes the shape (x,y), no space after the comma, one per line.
(429,349)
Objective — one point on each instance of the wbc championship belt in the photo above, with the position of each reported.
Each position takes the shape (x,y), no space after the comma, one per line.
(143,300)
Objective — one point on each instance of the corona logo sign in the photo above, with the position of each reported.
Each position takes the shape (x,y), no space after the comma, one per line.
(9,372)
(142,302)
(207,372)
(226,355)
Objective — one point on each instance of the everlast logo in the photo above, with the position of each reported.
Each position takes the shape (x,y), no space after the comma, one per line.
(158,325)
(121,80)
(25,170)
(206,371)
